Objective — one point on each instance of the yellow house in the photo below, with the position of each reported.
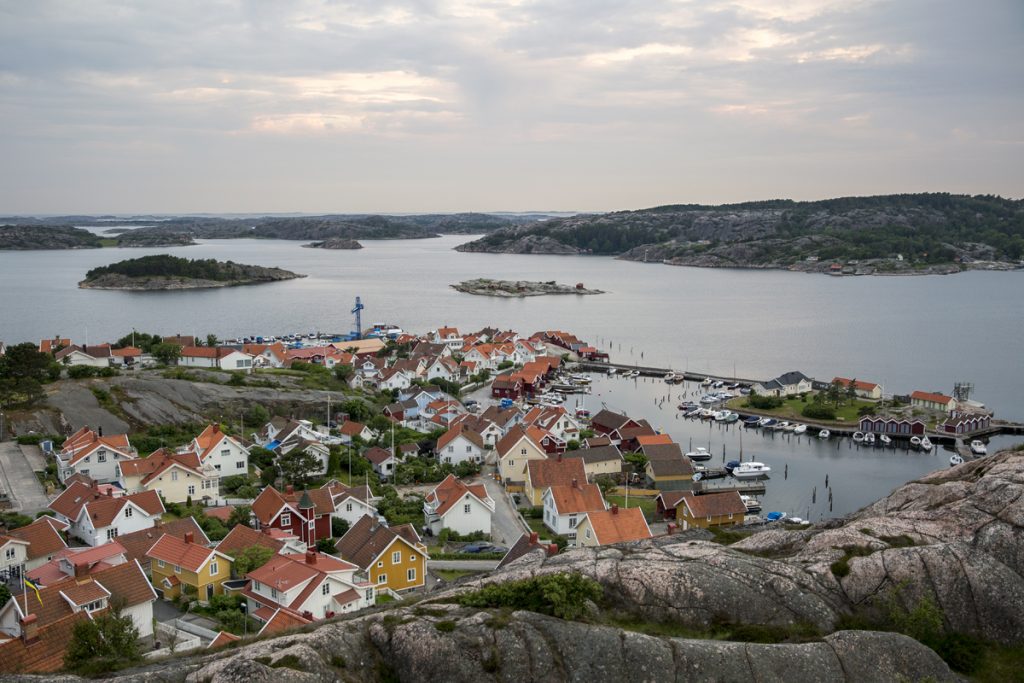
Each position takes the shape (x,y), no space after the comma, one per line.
(176,563)
(599,461)
(393,558)
(175,476)
(710,510)
(515,449)
(667,469)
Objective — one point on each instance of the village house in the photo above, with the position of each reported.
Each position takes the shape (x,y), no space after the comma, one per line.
(351,502)
(507,386)
(217,357)
(138,543)
(350,429)
(182,565)
(463,508)
(459,445)
(45,538)
(868,390)
(565,505)
(555,420)
(39,638)
(667,469)
(933,401)
(518,447)
(710,510)
(267,355)
(78,562)
(503,418)
(91,454)
(97,356)
(892,425)
(312,584)
(383,461)
(541,474)
(667,502)
(449,336)
(305,514)
(393,558)
(615,525)
(443,367)
(525,545)
(362,348)
(178,477)
(965,423)
(51,346)
(13,556)
(599,461)
(242,537)
(612,424)
(489,431)
(96,519)
(225,453)
(127,357)
(789,384)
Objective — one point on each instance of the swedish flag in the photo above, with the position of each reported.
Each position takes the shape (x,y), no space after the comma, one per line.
(29,584)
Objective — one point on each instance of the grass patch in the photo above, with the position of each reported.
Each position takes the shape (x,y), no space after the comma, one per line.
(841,567)
(723,629)
(288,662)
(560,595)
(727,536)
(901,541)
(792,407)
(383,599)
(646,504)
(446,626)
(467,556)
(537,525)
(454,574)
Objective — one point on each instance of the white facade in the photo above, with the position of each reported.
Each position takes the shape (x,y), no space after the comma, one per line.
(351,509)
(100,464)
(130,518)
(13,555)
(320,602)
(561,523)
(228,457)
(142,616)
(460,449)
(76,357)
(467,515)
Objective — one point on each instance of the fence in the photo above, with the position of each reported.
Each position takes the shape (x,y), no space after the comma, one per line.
(183,641)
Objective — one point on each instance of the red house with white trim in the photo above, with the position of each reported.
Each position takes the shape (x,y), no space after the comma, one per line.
(305,514)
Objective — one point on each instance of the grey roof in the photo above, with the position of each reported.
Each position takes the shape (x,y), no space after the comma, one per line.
(662,451)
(596,454)
(792,377)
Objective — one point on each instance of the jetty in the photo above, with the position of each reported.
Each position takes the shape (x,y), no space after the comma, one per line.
(753,487)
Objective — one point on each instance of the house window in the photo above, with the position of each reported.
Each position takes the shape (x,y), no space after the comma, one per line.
(128,511)
(9,554)
(469,449)
(174,475)
(587,534)
(467,508)
(369,593)
(286,519)
(572,521)
(522,451)
(177,569)
(217,467)
(326,589)
(111,533)
(85,472)
(101,457)
(192,490)
(273,593)
(382,578)
(412,558)
(226,452)
(451,449)
(348,507)
(213,568)
(94,605)
(255,585)
(161,564)
(396,557)
(240,465)
(410,575)
(380,564)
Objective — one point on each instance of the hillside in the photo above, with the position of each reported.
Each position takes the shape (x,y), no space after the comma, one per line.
(26,237)
(892,233)
(170,272)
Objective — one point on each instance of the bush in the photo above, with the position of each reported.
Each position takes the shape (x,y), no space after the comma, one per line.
(81,371)
(325,546)
(560,595)
(763,402)
(339,527)
(818,411)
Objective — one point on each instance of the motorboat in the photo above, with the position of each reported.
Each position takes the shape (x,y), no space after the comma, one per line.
(869,439)
(767,422)
(926,444)
(955,460)
(734,386)
(824,434)
(786,426)
(858,437)
(688,405)
(731,417)
(978,447)
(731,465)
(612,371)
(582,413)
(708,399)
(707,382)
(718,385)
(581,378)
(670,377)
(799,429)
(751,470)
(699,455)
(692,412)
(752,421)
(706,414)
(752,504)
(915,442)
(775,516)
(721,415)
(886,441)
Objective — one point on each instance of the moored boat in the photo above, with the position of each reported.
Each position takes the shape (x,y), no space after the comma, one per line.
(955,460)
(858,437)
(886,441)
(612,371)
(751,470)
(869,439)
(752,421)
(786,426)
(752,504)
(800,429)
(775,516)
(731,417)
(824,434)
(915,442)
(926,444)
(699,455)
(767,422)
(978,447)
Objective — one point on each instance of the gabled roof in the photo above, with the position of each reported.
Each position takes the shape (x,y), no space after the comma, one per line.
(513,437)
(352,428)
(466,433)
(714,504)
(554,472)
(104,511)
(43,536)
(792,377)
(160,461)
(595,454)
(609,420)
(653,439)
(209,438)
(223,638)
(368,538)
(670,499)
(377,455)
(137,543)
(192,556)
(525,544)
(619,525)
(270,502)
(662,451)
(671,467)
(931,397)
(85,441)
(283,620)
(858,384)
(46,653)
(576,499)
(445,495)
(217,352)
(241,537)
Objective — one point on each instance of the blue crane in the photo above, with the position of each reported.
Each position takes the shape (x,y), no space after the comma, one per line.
(358,332)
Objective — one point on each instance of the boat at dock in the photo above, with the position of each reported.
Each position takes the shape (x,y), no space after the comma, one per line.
(886,441)
(731,465)
(915,442)
(786,426)
(858,437)
(751,470)
(699,455)
(869,439)
(692,412)
(824,434)
(926,444)
(752,421)
(800,429)
(707,382)
(752,504)
(955,460)
(978,447)
(612,371)
(767,422)
(671,378)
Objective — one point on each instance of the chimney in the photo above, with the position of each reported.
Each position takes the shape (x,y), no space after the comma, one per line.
(559,457)
(615,508)
(189,537)
(310,557)
(110,492)
(575,484)
(552,549)
(289,489)
(266,530)
(99,430)
(81,570)
(30,629)
(534,537)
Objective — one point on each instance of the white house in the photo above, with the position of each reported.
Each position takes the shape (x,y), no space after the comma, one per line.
(393,378)
(13,556)
(315,585)
(459,507)
(555,420)
(789,384)
(91,454)
(459,445)
(219,357)
(351,502)
(45,539)
(443,367)
(350,429)
(449,336)
(96,518)
(564,506)
(383,460)
(225,453)
(175,476)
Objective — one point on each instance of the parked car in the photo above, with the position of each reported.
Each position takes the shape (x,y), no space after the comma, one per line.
(483,547)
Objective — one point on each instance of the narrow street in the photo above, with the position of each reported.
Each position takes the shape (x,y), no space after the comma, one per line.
(19,481)
(505,525)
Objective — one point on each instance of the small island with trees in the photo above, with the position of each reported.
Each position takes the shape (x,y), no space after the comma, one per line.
(519,288)
(165,272)
(335,243)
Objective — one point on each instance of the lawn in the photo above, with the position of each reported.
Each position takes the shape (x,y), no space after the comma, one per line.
(848,413)
(538,526)
(646,504)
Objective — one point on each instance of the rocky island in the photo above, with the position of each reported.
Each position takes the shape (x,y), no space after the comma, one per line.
(163,272)
(519,288)
(31,237)
(335,243)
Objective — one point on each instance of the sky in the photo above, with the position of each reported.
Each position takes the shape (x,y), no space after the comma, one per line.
(502,105)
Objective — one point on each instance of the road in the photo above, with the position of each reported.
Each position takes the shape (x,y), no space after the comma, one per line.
(505,525)
(467,565)
(19,481)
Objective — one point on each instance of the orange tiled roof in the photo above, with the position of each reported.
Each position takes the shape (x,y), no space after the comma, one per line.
(223,638)
(191,556)
(241,537)
(450,491)
(283,620)
(715,504)
(46,653)
(137,543)
(653,439)
(863,386)
(544,473)
(619,525)
(576,499)
(934,398)
(43,537)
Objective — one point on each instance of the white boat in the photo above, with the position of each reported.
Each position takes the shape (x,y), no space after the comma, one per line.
(788,426)
(581,378)
(799,429)
(765,421)
(708,399)
(858,437)
(915,442)
(886,441)
(706,414)
(869,439)
(824,434)
(612,371)
(670,377)
(926,444)
(955,460)
(731,417)
(752,504)
(707,382)
(751,470)
(699,455)
(978,447)
(722,415)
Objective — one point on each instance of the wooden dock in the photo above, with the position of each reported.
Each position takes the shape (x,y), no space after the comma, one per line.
(749,487)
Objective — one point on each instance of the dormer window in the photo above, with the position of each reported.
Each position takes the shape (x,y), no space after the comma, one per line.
(286,519)
(128,511)
(93,606)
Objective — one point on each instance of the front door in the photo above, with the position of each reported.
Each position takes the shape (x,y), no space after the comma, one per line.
(209,591)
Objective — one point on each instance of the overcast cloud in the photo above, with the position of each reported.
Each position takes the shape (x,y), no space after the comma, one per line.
(433,105)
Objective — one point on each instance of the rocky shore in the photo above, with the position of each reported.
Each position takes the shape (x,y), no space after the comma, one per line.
(519,288)
(335,243)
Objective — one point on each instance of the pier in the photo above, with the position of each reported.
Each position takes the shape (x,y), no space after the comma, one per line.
(756,488)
